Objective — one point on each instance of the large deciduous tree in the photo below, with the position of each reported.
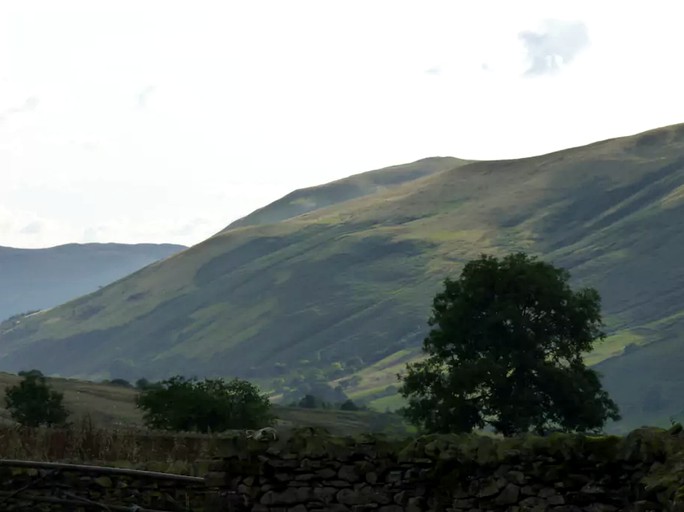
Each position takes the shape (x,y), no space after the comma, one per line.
(506,349)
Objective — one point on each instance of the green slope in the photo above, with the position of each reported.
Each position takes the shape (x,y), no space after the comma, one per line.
(337,289)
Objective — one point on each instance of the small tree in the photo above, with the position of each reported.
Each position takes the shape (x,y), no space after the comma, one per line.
(311,402)
(32,402)
(349,405)
(27,373)
(506,349)
(211,405)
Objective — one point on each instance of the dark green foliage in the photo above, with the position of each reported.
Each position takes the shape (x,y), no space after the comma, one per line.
(349,405)
(32,402)
(120,382)
(302,385)
(312,402)
(212,405)
(143,384)
(506,350)
(29,373)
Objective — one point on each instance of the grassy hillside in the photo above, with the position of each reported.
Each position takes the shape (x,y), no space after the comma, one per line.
(111,406)
(343,292)
(33,279)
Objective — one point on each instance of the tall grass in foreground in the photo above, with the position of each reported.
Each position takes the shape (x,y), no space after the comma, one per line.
(86,443)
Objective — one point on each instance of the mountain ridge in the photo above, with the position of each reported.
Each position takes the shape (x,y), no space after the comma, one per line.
(33,279)
(334,291)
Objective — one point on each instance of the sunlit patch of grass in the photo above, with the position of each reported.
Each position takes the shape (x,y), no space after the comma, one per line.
(674,198)
(612,346)
(387,403)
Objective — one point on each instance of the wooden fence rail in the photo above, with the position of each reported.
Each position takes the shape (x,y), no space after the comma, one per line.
(58,493)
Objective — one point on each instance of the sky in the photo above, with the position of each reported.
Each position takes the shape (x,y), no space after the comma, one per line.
(163,121)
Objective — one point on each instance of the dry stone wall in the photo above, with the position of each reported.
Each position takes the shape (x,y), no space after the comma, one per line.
(313,471)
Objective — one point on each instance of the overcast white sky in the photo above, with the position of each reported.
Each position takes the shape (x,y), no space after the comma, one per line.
(162,121)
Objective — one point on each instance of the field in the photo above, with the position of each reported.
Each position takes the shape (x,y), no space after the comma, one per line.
(107,429)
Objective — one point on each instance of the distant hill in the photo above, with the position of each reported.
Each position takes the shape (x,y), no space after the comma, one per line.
(343,291)
(32,279)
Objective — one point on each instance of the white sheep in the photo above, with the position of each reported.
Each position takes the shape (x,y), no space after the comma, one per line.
(263,434)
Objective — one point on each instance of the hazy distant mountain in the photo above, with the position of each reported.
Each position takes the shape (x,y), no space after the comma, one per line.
(33,279)
(343,287)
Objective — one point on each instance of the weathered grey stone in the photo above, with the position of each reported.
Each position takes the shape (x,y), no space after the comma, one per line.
(531,502)
(305,477)
(547,492)
(339,483)
(460,493)
(465,504)
(600,507)
(492,487)
(372,477)
(290,496)
(349,497)
(528,491)
(391,508)
(326,473)
(393,476)
(324,494)
(516,477)
(556,499)
(348,473)
(297,508)
(415,504)
(337,507)
(508,496)
(592,489)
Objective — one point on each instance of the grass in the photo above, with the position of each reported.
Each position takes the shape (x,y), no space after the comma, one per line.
(86,442)
(387,403)
(613,346)
(99,408)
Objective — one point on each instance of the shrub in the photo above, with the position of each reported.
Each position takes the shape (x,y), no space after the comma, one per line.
(32,402)
(214,405)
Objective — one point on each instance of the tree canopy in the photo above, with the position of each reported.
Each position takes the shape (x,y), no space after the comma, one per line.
(33,402)
(506,349)
(211,405)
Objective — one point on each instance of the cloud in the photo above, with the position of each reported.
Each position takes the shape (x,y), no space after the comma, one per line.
(435,70)
(29,104)
(191,228)
(32,228)
(143,96)
(556,44)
